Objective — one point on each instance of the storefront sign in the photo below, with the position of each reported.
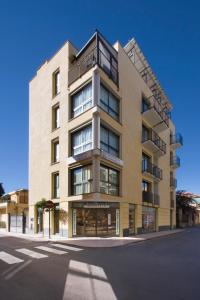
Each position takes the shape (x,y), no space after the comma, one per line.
(96,205)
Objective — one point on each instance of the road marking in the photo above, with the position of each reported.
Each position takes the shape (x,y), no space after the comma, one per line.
(9,259)
(48,249)
(31,253)
(11,274)
(66,247)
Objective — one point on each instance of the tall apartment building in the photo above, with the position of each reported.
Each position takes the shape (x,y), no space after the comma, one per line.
(102,144)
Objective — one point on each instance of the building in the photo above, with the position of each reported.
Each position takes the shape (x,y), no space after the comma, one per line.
(14,211)
(102,144)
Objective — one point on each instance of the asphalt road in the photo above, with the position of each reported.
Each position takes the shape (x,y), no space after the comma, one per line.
(161,269)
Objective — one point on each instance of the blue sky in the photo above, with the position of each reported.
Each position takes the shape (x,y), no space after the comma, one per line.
(31,31)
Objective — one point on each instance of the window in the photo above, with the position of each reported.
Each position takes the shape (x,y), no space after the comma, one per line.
(82,140)
(56,83)
(109,103)
(109,141)
(55,151)
(82,180)
(146,186)
(55,117)
(55,185)
(145,162)
(145,104)
(109,181)
(82,100)
(145,134)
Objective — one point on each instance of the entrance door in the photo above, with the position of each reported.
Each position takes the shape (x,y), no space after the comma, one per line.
(90,221)
(102,222)
(56,219)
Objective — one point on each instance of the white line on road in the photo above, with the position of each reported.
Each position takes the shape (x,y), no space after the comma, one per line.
(48,249)
(11,274)
(66,247)
(9,259)
(31,253)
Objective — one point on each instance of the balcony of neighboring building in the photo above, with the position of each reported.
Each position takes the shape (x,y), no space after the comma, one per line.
(175,162)
(155,114)
(97,51)
(173,182)
(152,142)
(151,170)
(151,198)
(176,141)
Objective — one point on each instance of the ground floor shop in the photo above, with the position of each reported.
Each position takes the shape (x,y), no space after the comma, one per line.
(101,219)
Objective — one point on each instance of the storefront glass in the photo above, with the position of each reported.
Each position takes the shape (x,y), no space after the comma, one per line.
(131,219)
(95,219)
(148,219)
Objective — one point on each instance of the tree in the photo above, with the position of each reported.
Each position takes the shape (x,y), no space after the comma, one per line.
(2,192)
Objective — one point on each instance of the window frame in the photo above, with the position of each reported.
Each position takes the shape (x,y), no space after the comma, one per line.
(110,131)
(108,183)
(54,155)
(82,143)
(83,182)
(55,86)
(55,188)
(83,103)
(109,108)
(55,119)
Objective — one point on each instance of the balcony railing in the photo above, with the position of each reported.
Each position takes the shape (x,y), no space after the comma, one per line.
(150,197)
(173,182)
(154,137)
(154,103)
(176,139)
(99,52)
(148,167)
(175,161)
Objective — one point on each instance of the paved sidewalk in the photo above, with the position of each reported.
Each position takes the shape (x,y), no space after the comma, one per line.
(95,242)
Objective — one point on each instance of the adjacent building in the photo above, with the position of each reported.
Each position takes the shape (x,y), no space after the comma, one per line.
(14,211)
(102,143)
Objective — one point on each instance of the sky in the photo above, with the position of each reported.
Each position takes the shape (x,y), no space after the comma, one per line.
(32,31)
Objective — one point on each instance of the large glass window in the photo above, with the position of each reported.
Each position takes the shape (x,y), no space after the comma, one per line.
(82,140)
(82,180)
(109,181)
(82,100)
(55,179)
(109,141)
(109,103)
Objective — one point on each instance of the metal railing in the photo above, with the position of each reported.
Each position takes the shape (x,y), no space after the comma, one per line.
(173,182)
(159,109)
(175,161)
(154,137)
(176,139)
(89,60)
(152,169)
(150,197)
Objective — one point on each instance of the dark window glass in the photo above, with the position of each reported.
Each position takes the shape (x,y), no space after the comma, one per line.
(109,103)
(109,141)
(109,181)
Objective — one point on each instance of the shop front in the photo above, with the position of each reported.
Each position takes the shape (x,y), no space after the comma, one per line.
(148,219)
(95,219)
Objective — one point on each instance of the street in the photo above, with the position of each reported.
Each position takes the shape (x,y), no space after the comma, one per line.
(158,269)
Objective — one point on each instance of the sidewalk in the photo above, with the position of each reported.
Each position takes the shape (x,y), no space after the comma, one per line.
(94,242)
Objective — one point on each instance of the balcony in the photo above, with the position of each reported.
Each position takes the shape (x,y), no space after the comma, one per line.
(152,170)
(155,114)
(173,182)
(151,198)
(176,141)
(99,52)
(175,162)
(152,142)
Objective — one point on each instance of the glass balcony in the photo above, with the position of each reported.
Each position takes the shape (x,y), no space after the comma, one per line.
(176,141)
(152,141)
(151,169)
(175,162)
(99,52)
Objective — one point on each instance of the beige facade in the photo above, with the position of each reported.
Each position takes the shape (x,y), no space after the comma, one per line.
(14,211)
(102,145)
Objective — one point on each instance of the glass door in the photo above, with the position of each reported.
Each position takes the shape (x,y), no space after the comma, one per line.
(102,222)
(90,222)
